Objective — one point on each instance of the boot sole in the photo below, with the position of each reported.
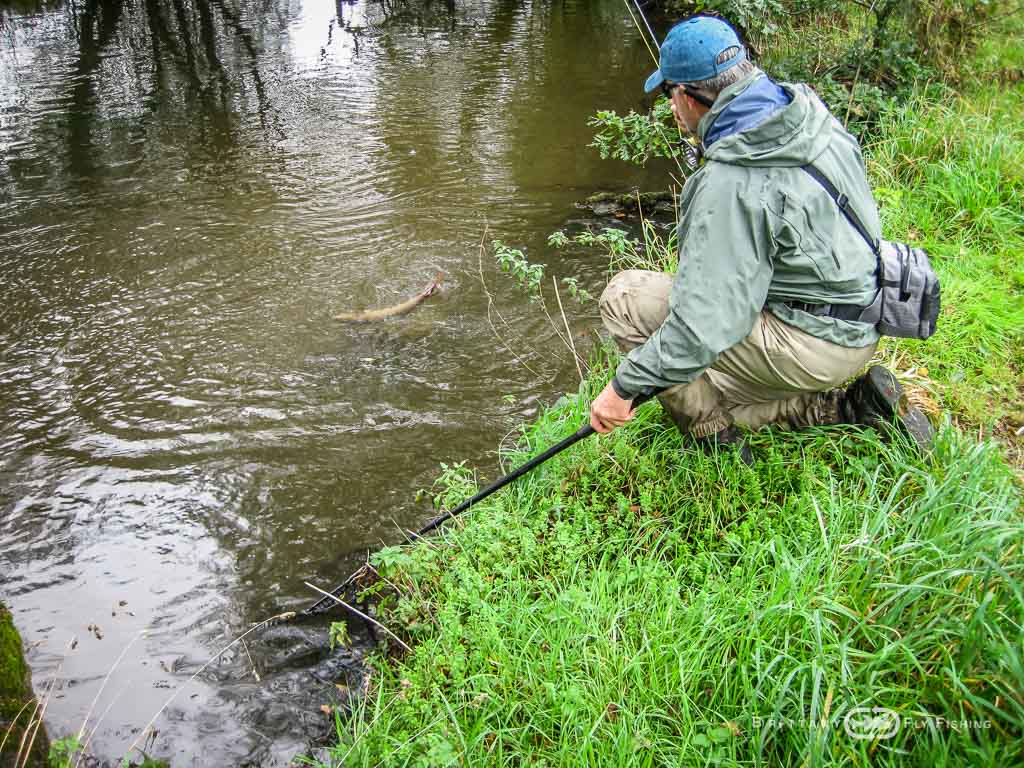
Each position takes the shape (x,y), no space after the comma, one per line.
(893,402)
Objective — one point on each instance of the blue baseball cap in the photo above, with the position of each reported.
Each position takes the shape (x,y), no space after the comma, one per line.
(690,50)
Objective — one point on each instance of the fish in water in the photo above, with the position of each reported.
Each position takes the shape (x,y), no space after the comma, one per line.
(394,311)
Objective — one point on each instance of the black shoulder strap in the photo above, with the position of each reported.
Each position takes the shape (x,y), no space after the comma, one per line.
(844,204)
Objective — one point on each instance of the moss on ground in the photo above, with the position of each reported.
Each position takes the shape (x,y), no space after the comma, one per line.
(16,707)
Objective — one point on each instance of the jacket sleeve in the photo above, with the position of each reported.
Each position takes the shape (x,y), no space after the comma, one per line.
(721,285)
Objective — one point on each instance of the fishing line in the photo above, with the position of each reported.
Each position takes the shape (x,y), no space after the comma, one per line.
(691,152)
(646,23)
(642,36)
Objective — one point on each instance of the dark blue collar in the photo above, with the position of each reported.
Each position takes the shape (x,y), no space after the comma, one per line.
(759,101)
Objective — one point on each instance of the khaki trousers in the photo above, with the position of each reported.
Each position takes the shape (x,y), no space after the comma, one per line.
(777,375)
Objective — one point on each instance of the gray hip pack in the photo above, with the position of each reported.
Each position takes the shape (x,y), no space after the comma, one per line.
(907,302)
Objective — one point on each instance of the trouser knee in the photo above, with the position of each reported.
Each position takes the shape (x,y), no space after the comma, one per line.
(634,304)
(614,308)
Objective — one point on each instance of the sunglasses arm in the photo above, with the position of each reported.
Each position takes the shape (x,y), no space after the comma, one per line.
(697,96)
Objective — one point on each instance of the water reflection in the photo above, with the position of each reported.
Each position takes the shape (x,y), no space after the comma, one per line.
(189,190)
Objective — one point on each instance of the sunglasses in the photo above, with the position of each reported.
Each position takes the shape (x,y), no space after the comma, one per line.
(700,98)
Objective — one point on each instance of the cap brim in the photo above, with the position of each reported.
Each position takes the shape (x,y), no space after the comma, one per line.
(654,81)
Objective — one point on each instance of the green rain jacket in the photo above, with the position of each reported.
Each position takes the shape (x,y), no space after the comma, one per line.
(755,231)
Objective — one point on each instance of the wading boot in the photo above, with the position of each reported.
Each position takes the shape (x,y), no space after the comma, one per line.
(876,398)
(730,438)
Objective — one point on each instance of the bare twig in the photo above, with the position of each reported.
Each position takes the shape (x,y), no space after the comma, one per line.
(14,722)
(411,536)
(502,450)
(40,710)
(386,580)
(106,679)
(31,724)
(568,333)
(360,614)
(419,538)
(251,662)
(96,727)
(491,308)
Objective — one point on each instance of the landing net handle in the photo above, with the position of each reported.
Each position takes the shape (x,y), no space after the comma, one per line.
(585,431)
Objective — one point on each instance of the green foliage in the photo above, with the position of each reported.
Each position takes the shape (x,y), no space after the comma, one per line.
(757,19)
(862,59)
(558,239)
(514,261)
(455,482)
(67,753)
(64,752)
(632,604)
(655,251)
(949,175)
(573,286)
(636,138)
(390,557)
(530,276)
(338,635)
(858,105)
(886,41)
(939,34)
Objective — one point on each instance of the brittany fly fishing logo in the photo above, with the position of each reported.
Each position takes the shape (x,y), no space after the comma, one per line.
(871,723)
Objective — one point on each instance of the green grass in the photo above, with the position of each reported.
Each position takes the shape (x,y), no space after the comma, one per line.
(634,604)
(627,606)
(949,176)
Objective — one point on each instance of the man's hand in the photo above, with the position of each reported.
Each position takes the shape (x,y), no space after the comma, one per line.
(609,411)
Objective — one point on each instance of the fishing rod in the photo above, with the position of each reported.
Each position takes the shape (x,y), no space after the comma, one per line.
(583,432)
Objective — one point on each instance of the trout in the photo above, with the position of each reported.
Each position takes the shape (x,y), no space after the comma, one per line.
(394,311)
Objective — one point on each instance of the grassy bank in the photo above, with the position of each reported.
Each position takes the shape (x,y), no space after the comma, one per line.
(950,176)
(630,604)
(627,607)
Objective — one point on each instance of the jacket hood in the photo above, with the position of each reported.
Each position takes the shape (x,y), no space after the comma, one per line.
(757,122)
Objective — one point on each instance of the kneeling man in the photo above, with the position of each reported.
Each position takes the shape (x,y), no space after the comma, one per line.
(760,322)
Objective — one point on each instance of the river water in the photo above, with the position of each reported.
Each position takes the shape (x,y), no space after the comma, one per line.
(189,189)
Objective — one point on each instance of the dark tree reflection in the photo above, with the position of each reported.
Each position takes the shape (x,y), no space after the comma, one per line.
(195,62)
(96,27)
(202,64)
